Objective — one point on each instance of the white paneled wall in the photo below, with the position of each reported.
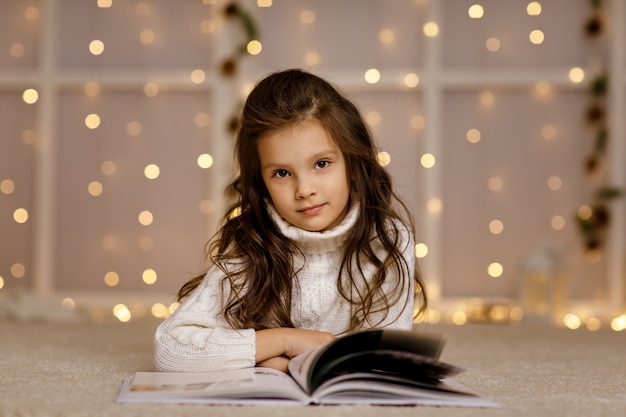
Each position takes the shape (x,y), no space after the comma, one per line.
(84,189)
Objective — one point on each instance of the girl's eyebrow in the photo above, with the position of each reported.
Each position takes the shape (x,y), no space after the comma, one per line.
(319,155)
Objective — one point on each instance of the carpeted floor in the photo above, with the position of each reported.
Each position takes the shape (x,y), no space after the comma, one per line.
(68,370)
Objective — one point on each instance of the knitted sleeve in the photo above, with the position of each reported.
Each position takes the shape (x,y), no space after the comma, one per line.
(196,338)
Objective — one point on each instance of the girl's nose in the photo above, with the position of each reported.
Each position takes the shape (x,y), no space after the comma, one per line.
(305,189)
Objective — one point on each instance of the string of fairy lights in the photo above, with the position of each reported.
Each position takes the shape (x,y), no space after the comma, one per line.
(592,225)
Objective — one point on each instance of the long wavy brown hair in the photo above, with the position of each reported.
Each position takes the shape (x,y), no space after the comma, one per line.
(256,258)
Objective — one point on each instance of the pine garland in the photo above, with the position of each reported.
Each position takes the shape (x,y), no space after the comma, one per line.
(594,224)
(230,65)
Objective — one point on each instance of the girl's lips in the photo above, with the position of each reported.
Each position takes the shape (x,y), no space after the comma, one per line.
(312,210)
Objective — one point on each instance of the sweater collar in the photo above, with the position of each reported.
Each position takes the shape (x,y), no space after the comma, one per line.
(317,242)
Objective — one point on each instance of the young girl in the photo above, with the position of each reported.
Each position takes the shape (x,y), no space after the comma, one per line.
(313,248)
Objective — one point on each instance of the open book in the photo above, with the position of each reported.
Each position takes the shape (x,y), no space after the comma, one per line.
(393,367)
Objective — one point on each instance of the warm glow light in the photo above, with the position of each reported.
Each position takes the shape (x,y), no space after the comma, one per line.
(16,50)
(147,36)
(493,44)
(312,58)
(384,158)
(208,26)
(619,323)
(434,205)
(92,89)
(576,75)
(206,207)
(533,8)
(172,308)
(418,122)
(427,160)
(145,218)
(133,128)
(473,135)
(158,310)
(31,13)
(572,321)
(496,227)
(543,88)
(108,168)
(205,161)
(431,29)
(146,243)
(202,119)
(142,8)
(537,37)
(105,3)
(30,96)
(585,213)
(593,324)
(264,3)
(459,318)
(68,304)
(92,121)
(373,118)
(548,132)
(20,215)
(386,36)
(94,188)
(495,183)
(487,98)
(421,250)
(499,313)
(1,282)
(7,186)
(111,279)
(198,76)
(411,80)
(476,11)
(152,171)
(254,47)
(149,276)
(557,222)
(307,17)
(29,136)
(555,183)
(122,313)
(433,316)
(109,243)
(495,269)
(151,89)
(96,47)
(372,76)
(516,314)
(18,270)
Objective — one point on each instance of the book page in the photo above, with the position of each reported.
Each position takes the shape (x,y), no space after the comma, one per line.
(362,389)
(250,385)
(299,367)
(310,369)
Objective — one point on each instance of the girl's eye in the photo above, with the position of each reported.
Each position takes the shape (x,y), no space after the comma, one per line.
(322,164)
(281,173)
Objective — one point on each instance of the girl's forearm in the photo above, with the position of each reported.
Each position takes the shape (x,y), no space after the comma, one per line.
(270,343)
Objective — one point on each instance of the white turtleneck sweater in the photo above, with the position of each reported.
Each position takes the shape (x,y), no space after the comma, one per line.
(197,338)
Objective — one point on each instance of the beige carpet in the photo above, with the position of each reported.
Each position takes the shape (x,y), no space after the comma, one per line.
(76,370)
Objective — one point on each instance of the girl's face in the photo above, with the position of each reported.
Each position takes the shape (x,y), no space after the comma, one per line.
(306,176)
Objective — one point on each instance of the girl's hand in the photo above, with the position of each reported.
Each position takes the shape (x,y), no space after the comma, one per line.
(298,341)
(280,363)
(285,343)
